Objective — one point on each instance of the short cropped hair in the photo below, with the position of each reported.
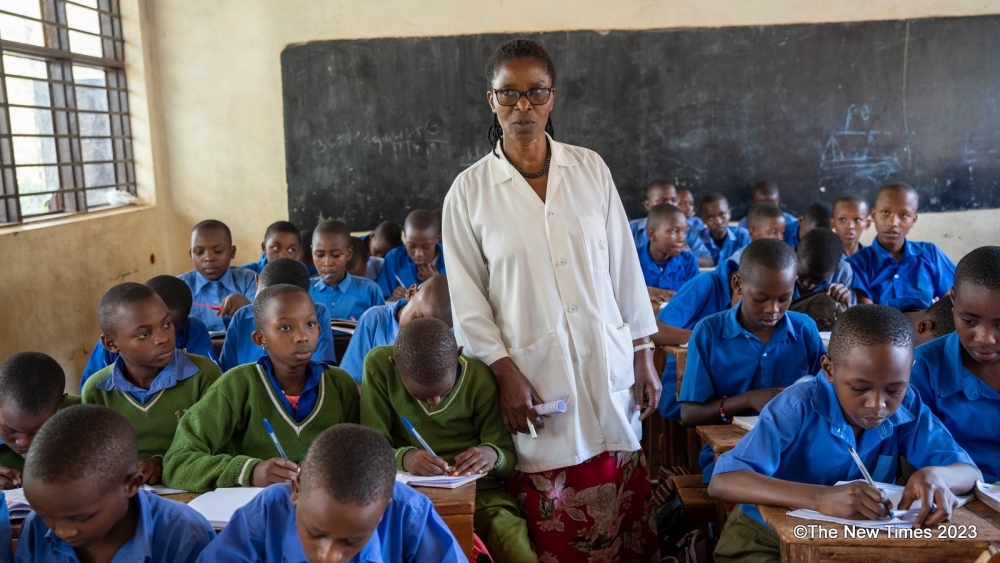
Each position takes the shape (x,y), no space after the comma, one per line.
(282,227)
(174,292)
(360,253)
(422,220)
(284,270)
(942,314)
(898,187)
(855,199)
(658,214)
(655,184)
(262,303)
(713,198)
(31,382)
(389,232)
(351,463)
(333,227)
(437,286)
(980,267)
(118,297)
(819,214)
(767,253)
(821,250)
(213,224)
(864,326)
(760,213)
(769,188)
(89,442)
(425,351)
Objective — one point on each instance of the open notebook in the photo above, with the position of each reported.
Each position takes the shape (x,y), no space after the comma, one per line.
(219,505)
(989,494)
(894,492)
(17,505)
(438,482)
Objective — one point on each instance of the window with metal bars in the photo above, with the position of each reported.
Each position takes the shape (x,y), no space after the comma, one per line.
(65,138)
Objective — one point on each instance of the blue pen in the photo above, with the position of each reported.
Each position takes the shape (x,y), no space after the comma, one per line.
(400,280)
(277,444)
(417,436)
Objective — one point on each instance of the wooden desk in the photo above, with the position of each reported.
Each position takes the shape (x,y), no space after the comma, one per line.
(882,549)
(680,354)
(721,437)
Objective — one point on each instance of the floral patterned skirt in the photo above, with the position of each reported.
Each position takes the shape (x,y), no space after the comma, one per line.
(599,511)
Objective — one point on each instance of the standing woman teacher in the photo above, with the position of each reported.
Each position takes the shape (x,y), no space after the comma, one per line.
(547,290)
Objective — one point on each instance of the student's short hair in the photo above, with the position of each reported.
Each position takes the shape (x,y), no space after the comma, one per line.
(213,224)
(306,243)
(819,214)
(351,463)
(941,313)
(712,198)
(89,442)
(898,187)
(422,220)
(657,184)
(659,213)
(31,382)
(767,253)
(174,292)
(821,250)
(864,326)
(765,187)
(437,285)
(848,199)
(333,227)
(760,213)
(359,254)
(118,297)
(688,190)
(282,227)
(262,303)
(284,270)
(389,232)
(425,351)
(980,267)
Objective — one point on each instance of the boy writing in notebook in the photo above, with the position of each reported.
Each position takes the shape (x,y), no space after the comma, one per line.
(665,264)
(345,506)
(218,289)
(767,192)
(380,325)
(239,346)
(190,334)
(31,391)
(739,359)
(457,410)
(152,382)
(820,267)
(223,442)
(850,220)
(281,240)
(800,447)
(415,262)
(720,239)
(958,376)
(83,485)
(893,268)
(344,295)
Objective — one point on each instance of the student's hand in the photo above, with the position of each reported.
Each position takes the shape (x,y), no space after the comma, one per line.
(10,478)
(151,469)
(425,271)
(658,296)
(855,499)
(647,387)
(479,459)
(422,463)
(274,470)
(231,304)
(517,397)
(928,486)
(839,292)
(397,294)
(760,397)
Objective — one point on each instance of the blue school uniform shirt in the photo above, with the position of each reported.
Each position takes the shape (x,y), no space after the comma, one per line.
(861,247)
(398,263)
(844,275)
(6,544)
(964,403)
(705,294)
(203,290)
(239,347)
(374,267)
(193,338)
(349,299)
(736,238)
(167,532)
(309,394)
(725,359)
(923,272)
(179,369)
(264,531)
(258,266)
(672,273)
(791,228)
(379,326)
(802,436)
(693,238)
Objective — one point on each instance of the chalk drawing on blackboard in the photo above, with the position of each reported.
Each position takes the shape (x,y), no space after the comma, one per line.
(859,150)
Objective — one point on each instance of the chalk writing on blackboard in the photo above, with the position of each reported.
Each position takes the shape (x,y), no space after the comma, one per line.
(859,149)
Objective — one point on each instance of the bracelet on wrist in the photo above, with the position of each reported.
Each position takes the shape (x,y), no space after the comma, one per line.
(722,411)
(646,346)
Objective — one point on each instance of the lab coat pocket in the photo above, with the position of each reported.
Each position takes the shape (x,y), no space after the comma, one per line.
(595,239)
(542,362)
(618,356)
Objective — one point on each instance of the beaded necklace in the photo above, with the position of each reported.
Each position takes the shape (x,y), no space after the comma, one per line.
(540,173)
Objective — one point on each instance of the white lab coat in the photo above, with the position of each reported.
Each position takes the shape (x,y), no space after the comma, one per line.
(557,287)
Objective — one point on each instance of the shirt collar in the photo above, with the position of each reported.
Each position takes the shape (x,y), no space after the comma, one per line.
(824,401)
(501,170)
(226,280)
(343,286)
(732,327)
(884,255)
(179,369)
(138,548)
(955,377)
(316,370)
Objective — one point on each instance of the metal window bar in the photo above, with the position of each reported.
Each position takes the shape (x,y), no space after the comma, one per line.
(63,25)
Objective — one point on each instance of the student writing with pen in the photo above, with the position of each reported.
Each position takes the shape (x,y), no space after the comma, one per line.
(415,262)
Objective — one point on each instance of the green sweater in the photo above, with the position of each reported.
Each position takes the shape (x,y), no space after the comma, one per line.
(469,416)
(221,439)
(10,458)
(155,422)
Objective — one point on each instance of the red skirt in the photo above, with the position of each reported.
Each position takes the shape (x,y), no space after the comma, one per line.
(599,511)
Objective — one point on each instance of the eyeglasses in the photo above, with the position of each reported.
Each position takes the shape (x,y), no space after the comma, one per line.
(535,96)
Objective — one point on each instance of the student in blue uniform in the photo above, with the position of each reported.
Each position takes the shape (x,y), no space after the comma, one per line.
(958,376)
(850,220)
(380,325)
(357,265)
(817,216)
(820,267)
(665,264)
(416,261)
(218,289)
(239,347)
(933,322)
(344,295)
(720,239)
(799,448)
(81,479)
(685,202)
(739,359)
(345,507)
(658,192)
(893,268)
(191,335)
(281,240)
(767,192)
(763,221)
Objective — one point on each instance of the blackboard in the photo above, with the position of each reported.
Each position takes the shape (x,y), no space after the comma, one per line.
(375,128)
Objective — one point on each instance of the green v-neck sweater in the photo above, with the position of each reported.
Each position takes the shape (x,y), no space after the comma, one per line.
(220,440)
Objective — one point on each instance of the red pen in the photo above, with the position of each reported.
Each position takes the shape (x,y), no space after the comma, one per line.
(212,307)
